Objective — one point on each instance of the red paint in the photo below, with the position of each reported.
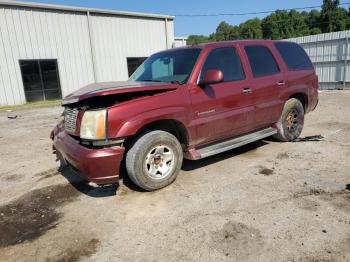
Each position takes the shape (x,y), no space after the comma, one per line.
(98,166)
(113,88)
(209,113)
(212,77)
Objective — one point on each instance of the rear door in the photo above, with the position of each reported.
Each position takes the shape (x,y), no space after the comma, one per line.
(301,77)
(267,81)
(224,109)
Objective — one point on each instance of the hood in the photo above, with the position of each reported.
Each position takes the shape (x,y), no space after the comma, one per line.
(112,88)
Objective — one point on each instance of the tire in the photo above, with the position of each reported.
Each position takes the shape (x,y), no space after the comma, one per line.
(291,122)
(154,160)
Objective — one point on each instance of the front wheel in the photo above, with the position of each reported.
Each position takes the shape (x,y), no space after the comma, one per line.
(154,160)
(291,122)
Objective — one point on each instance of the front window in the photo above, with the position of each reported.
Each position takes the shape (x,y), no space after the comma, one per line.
(227,61)
(169,67)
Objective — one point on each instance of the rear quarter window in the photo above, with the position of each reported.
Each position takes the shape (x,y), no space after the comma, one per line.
(261,61)
(294,56)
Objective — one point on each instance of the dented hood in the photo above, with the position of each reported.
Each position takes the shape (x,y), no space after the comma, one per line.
(112,88)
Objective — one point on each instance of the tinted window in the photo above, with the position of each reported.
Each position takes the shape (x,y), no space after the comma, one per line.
(226,60)
(294,56)
(40,79)
(162,68)
(168,66)
(261,61)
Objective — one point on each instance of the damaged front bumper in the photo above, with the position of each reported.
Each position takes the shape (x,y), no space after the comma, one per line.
(100,166)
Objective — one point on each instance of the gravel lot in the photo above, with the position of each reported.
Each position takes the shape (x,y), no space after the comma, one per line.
(268,201)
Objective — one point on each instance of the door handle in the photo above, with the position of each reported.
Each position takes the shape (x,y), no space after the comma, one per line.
(281,83)
(247,90)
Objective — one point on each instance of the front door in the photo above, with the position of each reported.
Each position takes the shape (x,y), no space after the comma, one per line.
(224,109)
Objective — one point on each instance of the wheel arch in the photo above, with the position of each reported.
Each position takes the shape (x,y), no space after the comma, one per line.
(302,97)
(172,126)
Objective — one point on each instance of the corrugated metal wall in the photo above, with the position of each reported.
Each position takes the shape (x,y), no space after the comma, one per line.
(180,42)
(330,55)
(37,33)
(116,38)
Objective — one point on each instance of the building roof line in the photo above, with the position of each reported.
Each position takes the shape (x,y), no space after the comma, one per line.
(81,9)
(333,36)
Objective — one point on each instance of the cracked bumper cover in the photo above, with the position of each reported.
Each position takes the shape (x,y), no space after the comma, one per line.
(100,166)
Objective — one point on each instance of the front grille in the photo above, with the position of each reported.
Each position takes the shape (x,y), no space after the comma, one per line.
(70,119)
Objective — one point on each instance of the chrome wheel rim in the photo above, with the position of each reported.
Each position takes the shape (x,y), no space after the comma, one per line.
(159,162)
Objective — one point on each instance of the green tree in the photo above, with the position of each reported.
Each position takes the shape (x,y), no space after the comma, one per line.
(283,24)
(315,31)
(223,32)
(298,23)
(314,21)
(251,29)
(275,25)
(333,18)
(197,39)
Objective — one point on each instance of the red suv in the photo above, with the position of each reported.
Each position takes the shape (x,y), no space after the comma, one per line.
(190,102)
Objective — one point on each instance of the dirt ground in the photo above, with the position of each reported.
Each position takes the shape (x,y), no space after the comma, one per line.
(268,201)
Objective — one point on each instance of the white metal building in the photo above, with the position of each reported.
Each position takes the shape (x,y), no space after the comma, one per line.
(49,51)
(180,42)
(330,55)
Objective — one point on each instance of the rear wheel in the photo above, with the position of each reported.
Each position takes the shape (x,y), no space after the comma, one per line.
(154,160)
(291,122)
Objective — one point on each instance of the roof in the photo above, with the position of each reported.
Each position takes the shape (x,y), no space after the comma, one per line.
(223,43)
(220,44)
(180,37)
(81,9)
(321,37)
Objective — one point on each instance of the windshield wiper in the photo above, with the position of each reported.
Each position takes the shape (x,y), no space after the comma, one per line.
(151,80)
(159,81)
(177,82)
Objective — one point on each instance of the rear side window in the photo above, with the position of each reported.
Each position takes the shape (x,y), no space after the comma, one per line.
(227,60)
(294,56)
(261,61)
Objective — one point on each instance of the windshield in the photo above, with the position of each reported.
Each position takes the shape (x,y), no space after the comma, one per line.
(174,66)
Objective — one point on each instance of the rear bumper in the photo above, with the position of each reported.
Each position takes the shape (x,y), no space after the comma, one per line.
(100,166)
(313,101)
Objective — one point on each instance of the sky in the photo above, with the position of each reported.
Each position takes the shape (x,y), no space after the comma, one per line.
(185,26)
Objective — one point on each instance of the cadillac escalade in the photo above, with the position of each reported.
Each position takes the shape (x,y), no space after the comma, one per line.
(190,102)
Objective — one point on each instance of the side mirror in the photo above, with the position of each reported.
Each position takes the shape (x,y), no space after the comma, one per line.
(212,76)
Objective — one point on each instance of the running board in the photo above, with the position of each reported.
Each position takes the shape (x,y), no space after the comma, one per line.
(235,142)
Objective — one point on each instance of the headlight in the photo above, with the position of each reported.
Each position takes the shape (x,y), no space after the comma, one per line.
(93,124)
